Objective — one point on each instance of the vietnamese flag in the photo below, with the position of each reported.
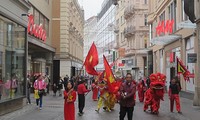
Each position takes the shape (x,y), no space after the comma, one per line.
(109,75)
(91,60)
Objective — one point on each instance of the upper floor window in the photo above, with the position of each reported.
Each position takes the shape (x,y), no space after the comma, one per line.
(184,16)
(145,1)
(145,19)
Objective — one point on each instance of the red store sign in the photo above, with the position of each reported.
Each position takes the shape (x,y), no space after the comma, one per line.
(165,27)
(36,30)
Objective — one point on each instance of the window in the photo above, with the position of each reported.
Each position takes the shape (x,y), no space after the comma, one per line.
(145,20)
(12,59)
(172,13)
(41,19)
(184,16)
(145,1)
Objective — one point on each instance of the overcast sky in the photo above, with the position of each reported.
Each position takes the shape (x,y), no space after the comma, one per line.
(91,7)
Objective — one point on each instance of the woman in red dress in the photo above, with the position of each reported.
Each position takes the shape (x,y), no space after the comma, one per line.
(70,97)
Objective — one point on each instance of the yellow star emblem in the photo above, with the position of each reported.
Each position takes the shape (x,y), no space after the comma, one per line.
(90,60)
(111,78)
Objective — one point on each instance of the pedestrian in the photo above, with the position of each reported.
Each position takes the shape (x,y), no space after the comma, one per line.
(40,85)
(174,90)
(127,103)
(70,98)
(28,87)
(81,95)
(60,86)
(54,89)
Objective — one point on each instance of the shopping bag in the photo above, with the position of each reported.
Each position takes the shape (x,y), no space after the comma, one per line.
(36,95)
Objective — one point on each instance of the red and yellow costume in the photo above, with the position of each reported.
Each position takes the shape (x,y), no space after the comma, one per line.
(69,109)
(155,93)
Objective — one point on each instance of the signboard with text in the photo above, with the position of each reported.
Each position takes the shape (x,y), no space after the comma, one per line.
(164,27)
(192,57)
(36,30)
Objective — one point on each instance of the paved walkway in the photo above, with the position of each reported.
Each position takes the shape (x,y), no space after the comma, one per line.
(53,110)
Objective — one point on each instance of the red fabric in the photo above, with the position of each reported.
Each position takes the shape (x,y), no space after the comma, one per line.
(141,88)
(91,60)
(175,97)
(69,109)
(109,75)
(95,91)
(82,89)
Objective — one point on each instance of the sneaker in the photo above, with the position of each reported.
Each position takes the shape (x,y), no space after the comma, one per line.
(40,108)
(80,114)
(97,111)
(179,112)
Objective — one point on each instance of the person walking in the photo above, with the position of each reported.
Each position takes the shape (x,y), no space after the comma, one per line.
(40,85)
(70,98)
(60,86)
(174,90)
(28,87)
(127,103)
(81,96)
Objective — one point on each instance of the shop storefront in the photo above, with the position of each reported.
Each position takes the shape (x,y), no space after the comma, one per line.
(13,50)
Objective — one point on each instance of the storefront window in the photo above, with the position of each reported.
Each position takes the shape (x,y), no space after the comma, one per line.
(12,59)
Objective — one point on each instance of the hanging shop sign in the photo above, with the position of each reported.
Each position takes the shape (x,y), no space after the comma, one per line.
(36,30)
(164,27)
(192,57)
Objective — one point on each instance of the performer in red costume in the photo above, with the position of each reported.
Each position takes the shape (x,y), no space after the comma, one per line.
(155,93)
(70,97)
(174,90)
(95,90)
(141,89)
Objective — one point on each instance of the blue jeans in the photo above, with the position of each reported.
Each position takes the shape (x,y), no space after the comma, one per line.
(39,100)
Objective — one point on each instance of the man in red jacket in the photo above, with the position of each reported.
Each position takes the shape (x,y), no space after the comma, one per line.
(81,95)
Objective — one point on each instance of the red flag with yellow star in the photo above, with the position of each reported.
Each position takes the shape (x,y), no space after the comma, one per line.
(109,75)
(91,60)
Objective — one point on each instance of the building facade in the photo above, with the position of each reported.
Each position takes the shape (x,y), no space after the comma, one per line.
(120,42)
(90,33)
(67,34)
(105,35)
(40,49)
(134,38)
(197,76)
(13,53)
(172,35)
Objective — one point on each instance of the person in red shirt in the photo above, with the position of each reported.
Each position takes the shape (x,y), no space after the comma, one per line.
(141,89)
(70,97)
(81,96)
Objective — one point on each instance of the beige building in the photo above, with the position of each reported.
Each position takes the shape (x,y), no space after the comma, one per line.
(172,35)
(40,51)
(131,20)
(67,33)
(197,77)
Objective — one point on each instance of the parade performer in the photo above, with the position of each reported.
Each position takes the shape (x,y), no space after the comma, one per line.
(95,90)
(81,95)
(155,93)
(174,90)
(141,89)
(70,98)
(103,88)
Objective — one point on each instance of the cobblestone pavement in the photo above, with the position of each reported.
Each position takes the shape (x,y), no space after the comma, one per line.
(53,110)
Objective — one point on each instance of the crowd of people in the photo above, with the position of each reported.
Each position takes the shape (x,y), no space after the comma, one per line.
(122,91)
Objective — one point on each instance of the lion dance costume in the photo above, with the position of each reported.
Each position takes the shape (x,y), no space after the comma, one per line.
(155,93)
